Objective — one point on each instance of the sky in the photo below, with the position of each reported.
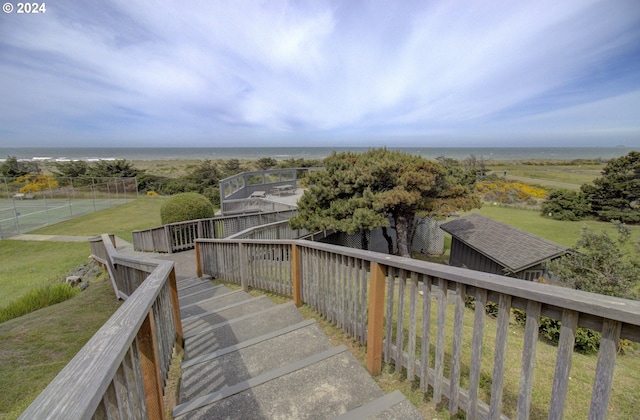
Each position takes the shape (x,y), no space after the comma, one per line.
(226,73)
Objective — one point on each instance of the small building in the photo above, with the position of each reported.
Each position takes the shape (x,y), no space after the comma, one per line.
(483,244)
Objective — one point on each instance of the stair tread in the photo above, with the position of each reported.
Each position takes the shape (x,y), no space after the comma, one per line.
(245,363)
(390,406)
(225,313)
(324,389)
(236,330)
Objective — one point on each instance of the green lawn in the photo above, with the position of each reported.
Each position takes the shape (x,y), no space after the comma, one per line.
(562,232)
(142,213)
(571,174)
(36,346)
(27,264)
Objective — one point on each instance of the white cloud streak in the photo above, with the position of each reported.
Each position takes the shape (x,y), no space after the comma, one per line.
(154,72)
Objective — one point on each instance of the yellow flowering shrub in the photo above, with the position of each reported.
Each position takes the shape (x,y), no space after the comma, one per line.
(509,192)
(34,183)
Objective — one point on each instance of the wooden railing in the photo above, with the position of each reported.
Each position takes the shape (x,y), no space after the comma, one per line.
(275,230)
(121,370)
(252,205)
(400,309)
(181,236)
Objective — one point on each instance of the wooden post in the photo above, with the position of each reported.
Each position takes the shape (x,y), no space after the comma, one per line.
(175,304)
(376,318)
(295,274)
(604,370)
(244,266)
(150,363)
(198,262)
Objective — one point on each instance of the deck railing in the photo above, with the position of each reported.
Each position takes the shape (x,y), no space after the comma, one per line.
(275,230)
(121,370)
(400,309)
(181,236)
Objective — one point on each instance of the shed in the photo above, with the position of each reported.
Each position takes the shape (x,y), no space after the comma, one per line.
(483,244)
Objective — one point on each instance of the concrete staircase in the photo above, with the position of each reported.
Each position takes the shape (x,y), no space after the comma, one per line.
(249,358)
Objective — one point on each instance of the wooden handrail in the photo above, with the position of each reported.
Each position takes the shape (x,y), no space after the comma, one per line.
(344,285)
(121,369)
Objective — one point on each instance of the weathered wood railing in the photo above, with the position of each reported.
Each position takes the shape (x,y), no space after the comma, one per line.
(399,308)
(252,205)
(121,370)
(180,236)
(275,230)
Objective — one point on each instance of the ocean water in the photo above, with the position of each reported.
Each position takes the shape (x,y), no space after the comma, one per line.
(282,153)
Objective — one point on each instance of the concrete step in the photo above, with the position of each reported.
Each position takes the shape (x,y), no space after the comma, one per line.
(187,298)
(321,386)
(393,406)
(225,313)
(194,287)
(189,281)
(234,331)
(211,304)
(214,371)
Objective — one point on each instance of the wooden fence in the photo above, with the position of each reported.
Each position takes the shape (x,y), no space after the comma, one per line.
(181,236)
(400,309)
(121,370)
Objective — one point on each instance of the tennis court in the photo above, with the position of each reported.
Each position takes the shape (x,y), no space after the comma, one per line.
(25,206)
(21,216)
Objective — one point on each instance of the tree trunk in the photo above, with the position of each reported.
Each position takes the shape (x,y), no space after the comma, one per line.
(389,240)
(364,243)
(403,228)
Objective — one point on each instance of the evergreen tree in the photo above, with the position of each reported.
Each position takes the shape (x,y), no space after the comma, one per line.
(359,192)
(616,194)
(601,264)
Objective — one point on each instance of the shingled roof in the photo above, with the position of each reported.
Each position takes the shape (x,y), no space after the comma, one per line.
(512,248)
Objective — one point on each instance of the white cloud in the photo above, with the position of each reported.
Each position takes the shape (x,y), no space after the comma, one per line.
(157,68)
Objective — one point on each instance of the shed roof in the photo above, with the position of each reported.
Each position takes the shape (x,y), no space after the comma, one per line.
(512,248)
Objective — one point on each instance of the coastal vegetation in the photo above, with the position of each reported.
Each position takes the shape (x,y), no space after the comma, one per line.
(357,193)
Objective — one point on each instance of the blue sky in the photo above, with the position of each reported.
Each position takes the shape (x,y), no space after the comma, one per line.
(326,73)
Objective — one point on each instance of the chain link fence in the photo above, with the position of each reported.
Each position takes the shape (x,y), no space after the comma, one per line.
(428,238)
(35,201)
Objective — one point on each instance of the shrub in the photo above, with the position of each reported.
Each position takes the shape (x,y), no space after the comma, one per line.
(186,206)
(509,192)
(565,205)
(38,298)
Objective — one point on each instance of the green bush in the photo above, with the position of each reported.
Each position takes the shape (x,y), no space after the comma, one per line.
(186,206)
(586,341)
(38,298)
(565,205)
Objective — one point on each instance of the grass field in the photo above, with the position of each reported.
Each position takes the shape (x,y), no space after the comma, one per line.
(36,346)
(562,232)
(569,174)
(139,214)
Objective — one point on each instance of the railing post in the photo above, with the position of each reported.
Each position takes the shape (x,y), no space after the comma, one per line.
(167,235)
(175,304)
(150,363)
(244,266)
(296,260)
(198,261)
(377,281)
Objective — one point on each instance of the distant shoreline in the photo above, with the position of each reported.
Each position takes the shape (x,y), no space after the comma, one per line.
(60,154)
